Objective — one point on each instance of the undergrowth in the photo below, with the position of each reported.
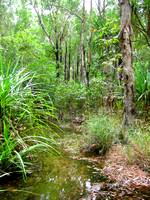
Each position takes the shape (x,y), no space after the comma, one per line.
(138,149)
(26,120)
(102,130)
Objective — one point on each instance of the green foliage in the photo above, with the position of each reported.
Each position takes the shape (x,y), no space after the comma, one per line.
(139,147)
(29,88)
(142,80)
(70,96)
(16,150)
(76,97)
(102,131)
(23,108)
(95,92)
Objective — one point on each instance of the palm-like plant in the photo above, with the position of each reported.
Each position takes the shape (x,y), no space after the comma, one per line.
(142,76)
(23,108)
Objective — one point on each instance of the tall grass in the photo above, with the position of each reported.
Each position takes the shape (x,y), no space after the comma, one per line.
(23,108)
(138,149)
(142,81)
(102,130)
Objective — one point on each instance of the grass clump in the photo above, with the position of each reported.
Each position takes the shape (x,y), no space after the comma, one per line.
(26,114)
(138,150)
(102,131)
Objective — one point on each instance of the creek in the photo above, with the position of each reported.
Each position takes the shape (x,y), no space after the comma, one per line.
(57,178)
(64,178)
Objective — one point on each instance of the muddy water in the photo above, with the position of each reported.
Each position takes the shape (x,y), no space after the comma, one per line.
(64,178)
(57,178)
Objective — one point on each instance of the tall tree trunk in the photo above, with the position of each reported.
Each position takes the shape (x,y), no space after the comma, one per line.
(57,58)
(73,71)
(65,66)
(99,7)
(148,21)
(83,74)
(90,46)
(104,7)
(60,52)
(57,53)
(69,62)
(77,64)
(128,73)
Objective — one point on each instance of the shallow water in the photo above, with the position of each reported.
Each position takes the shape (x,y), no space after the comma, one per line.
(57,178)
(64,178)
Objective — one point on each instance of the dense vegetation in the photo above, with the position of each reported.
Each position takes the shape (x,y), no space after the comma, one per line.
(67,58)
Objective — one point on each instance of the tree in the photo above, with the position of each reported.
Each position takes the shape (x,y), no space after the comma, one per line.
(128,73)
(83,70)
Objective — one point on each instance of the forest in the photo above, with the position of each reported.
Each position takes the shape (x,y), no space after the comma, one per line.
(74,99)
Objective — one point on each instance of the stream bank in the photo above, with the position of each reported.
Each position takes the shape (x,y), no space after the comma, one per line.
(124,180)
(74,176)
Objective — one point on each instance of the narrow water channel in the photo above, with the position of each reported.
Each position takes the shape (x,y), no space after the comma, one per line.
(64,178)
(57,178)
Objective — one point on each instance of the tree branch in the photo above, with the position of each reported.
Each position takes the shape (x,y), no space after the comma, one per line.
(67,10)
(41,23)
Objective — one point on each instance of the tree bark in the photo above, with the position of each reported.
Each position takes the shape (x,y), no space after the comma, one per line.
(69,62)
(65,66)
(60,52)
(57,53)
(57,58)
(128,73)
(90,46)
(148,21)
(83,73)
(77,64)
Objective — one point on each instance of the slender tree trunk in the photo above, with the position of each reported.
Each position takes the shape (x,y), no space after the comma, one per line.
(57,58)
(83,74)
(65,66)
(57,54)
(128,73)
(73,71)
(77,64)
(99,7)
(60,52)
(148,21)
(89,47)
(69,62)
(104,7)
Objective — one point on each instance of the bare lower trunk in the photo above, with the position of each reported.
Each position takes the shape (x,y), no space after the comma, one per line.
(57,58)
(128,73)
(65,66)
(69,63)
(73,72)
(57,53)
(60,52)
(77,65)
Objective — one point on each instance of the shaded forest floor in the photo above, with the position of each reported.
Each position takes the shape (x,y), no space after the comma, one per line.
(124,174)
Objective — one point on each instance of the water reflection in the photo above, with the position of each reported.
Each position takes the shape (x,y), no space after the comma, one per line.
(60,178)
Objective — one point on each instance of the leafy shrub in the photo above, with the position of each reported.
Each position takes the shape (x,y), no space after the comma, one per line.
(95,92)
(69,97)
(102,131)
(76,97)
